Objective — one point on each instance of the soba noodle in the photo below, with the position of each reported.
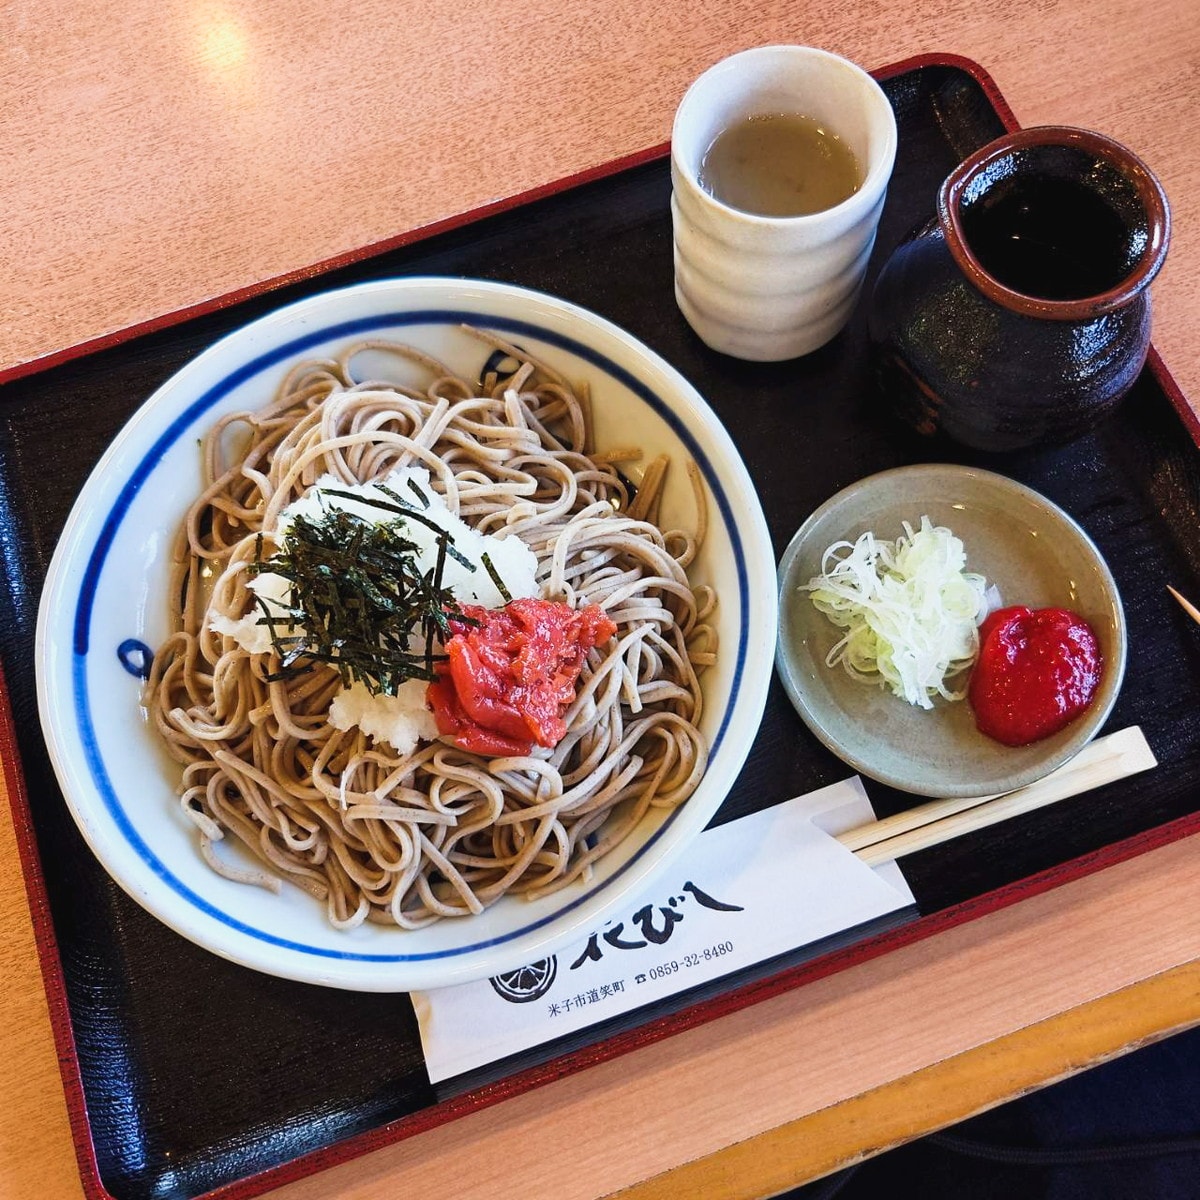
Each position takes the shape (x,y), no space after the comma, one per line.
(440,832)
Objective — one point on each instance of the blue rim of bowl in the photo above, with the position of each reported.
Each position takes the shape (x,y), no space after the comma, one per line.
(346,329)
(1095,717)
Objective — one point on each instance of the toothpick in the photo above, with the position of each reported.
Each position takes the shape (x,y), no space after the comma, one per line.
(1187,606)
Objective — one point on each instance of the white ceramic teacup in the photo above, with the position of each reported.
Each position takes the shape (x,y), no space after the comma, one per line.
(770,288)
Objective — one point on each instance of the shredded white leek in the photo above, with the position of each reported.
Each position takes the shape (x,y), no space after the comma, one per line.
(910,609)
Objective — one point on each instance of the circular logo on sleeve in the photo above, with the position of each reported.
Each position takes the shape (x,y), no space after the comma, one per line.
(526,983)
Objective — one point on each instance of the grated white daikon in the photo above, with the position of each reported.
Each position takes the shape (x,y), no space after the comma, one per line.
(401,720)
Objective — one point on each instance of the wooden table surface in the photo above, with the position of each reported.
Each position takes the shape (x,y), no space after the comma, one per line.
(156,154)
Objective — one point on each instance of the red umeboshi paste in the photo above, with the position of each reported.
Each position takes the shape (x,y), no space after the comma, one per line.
(1037,670)
(510,673)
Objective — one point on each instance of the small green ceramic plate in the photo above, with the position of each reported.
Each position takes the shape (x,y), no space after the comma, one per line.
(1029,548)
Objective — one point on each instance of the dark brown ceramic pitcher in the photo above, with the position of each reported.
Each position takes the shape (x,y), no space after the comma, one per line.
(1020,314)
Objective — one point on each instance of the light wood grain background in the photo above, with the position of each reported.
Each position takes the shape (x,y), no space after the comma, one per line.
(155,155)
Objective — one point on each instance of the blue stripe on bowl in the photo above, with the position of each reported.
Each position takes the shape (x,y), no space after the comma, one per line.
(178,428)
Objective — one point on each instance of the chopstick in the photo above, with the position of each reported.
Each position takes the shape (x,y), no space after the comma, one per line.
(1106,759)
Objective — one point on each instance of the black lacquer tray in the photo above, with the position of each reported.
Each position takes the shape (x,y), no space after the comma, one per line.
(186,1075)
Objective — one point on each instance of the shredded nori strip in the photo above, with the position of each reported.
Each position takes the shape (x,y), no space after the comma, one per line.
(405,510)
(391,494)
(505,594)
(358,598)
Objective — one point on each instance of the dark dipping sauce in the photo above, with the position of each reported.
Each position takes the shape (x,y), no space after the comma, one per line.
(1050,238)
(1037,670)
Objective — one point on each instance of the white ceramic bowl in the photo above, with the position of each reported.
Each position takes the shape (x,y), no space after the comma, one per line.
(105,602)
